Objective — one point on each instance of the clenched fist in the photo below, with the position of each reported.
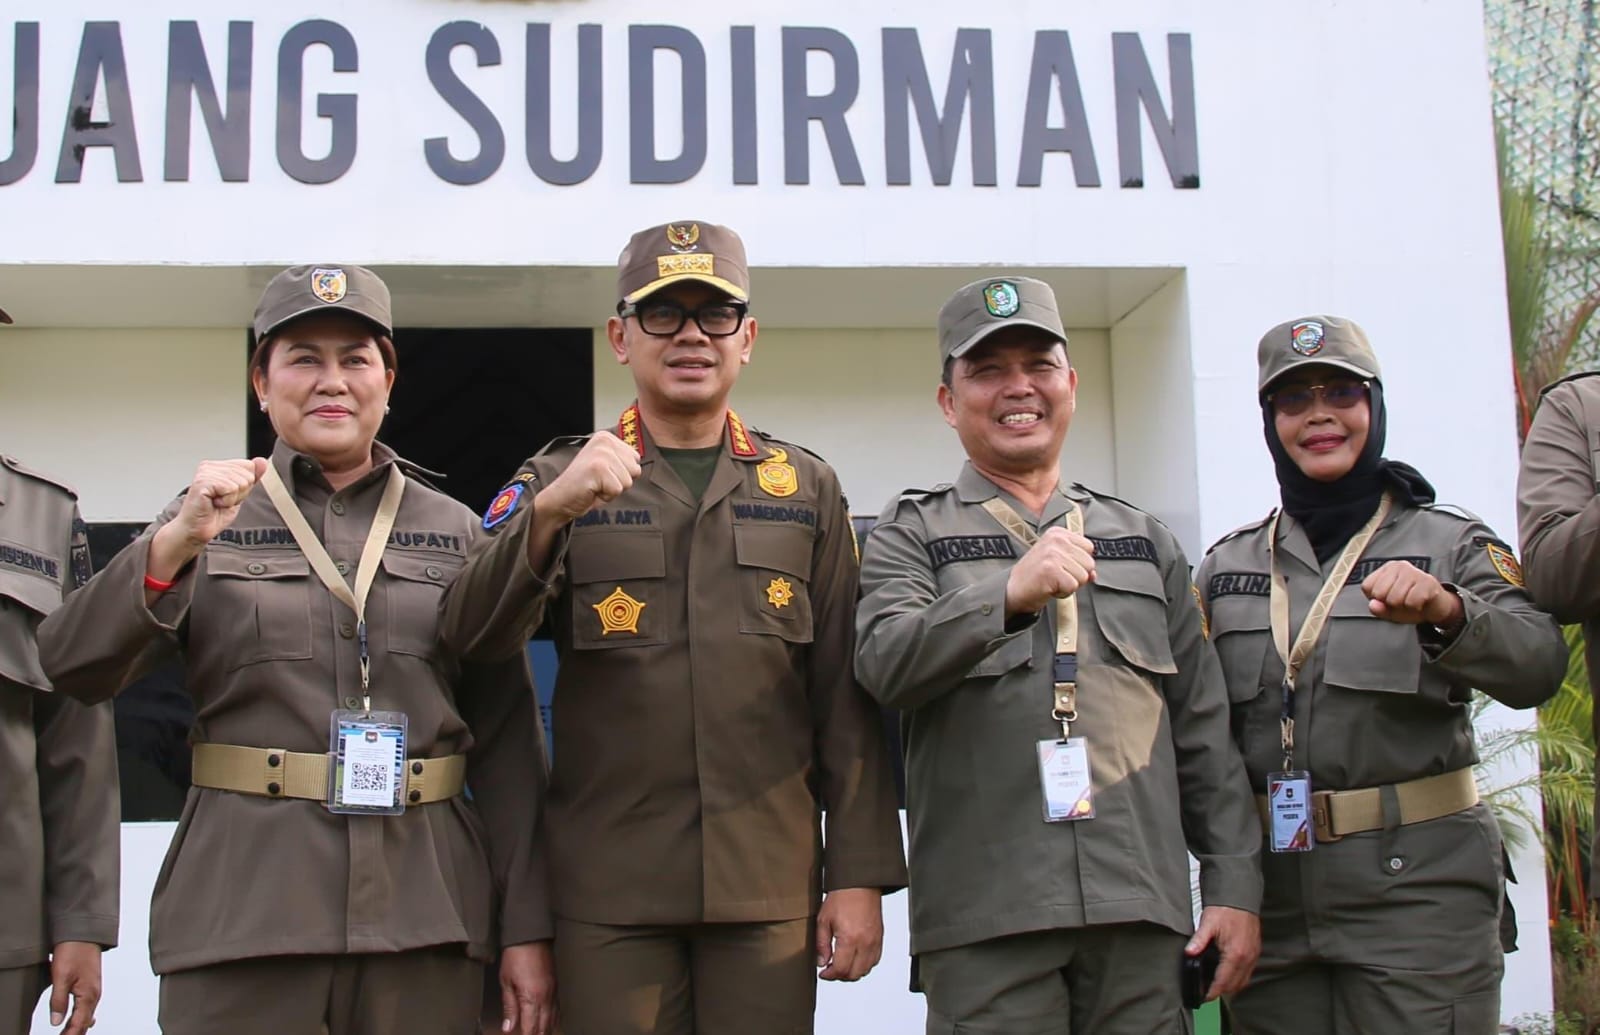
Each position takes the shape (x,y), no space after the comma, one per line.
(210,505)
(1403,593)
(603,470)
(1058,565)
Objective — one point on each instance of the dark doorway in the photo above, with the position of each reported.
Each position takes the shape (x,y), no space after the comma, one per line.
(473,403)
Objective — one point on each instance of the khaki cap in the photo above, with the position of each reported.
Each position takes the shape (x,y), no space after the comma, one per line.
(1329,340)
(685,250)
(302,290)
(993,304)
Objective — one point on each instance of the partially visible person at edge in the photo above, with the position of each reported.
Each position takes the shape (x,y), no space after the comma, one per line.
(701,576)
(59,836)
(291,901)
(1383,869)
(1558,517)
(1065,720)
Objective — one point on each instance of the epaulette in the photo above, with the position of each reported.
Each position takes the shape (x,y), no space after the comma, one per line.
(1450,508)
(1097,494)
(1253,526)
(562,441)
(1570,377)
(909,495)
(16,465)
(418,473)
(813,454)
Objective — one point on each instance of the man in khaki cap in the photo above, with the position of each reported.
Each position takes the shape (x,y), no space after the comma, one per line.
(1065,721)
(704,579)
(59,836)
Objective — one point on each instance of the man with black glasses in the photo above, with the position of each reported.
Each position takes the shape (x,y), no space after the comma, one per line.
(702,578)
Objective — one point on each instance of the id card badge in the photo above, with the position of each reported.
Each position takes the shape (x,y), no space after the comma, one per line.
(369,759)
(1064,778)
(1289,807)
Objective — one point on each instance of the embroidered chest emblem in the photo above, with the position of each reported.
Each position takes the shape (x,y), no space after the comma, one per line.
(780,593)
(619,613)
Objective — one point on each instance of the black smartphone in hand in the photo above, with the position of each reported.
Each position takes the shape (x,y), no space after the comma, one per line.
(1197,975)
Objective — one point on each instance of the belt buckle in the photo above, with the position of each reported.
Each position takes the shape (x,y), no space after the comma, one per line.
(1322,816)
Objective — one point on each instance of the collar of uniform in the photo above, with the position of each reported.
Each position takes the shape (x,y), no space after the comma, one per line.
(293,465)
(973,487)
(1298,545)
(651,452)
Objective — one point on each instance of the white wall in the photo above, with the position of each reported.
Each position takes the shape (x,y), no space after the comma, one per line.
(864,401)
(123,416)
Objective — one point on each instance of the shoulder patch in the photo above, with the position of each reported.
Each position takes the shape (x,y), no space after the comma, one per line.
(1253,526)
(18,466)
(1502,557)
(1580,375)
(503,505)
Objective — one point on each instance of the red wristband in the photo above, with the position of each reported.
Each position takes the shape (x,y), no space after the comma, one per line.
(155,585)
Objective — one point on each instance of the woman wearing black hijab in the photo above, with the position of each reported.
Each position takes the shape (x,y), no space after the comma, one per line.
(1352,624)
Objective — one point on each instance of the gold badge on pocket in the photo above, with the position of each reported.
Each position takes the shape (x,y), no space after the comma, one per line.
(776,475)
(780,593)
(619,613)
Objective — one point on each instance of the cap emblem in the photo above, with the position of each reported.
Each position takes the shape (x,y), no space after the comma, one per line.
(1306,338)
(1000,298)
(683,238)
(328,283)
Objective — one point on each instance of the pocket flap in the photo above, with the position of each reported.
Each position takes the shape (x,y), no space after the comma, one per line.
(39,595)
(239,564)
(1136,625)
(1367,653)
(1236,613)
(1125,576)
(616,556)
(785,548)
(433,570)
(1012,653)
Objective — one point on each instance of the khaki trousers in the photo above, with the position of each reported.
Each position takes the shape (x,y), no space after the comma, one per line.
(699,979)
(1112,979)
(437,990)
(20,988)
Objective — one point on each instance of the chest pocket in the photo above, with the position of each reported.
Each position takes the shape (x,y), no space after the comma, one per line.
(619,589)
(1242,634)
(413,588)
(1364,652)
(1130,609)
(774,572)
(24,602)
(263,601)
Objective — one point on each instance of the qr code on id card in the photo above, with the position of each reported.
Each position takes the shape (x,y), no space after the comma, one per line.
(367,776)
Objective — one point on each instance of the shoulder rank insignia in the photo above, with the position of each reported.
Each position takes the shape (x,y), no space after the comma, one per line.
(1504,561)
(504,504)
(780,593)
(619,613)
(776,475)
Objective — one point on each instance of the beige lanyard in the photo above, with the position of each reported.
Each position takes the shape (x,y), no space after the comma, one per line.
(322,564)
(1295,658)
(1064,708)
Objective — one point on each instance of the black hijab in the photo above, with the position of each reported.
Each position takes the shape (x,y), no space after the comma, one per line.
(1332,512)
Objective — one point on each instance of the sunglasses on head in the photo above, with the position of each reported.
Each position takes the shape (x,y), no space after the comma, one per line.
(1340,394)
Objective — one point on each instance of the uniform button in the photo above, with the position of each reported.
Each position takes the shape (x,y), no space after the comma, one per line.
(1396,864)
(338,507)
(347,630)
(415,797)
(352,702)
(273,788)
(343,566)
(433,573)
(987,609)
(255,567)
(273,760)
(416,768)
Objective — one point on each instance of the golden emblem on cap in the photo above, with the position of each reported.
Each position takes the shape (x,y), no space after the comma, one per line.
(1306,338)
(683,238)
(619,613)
(780,593)
(776,475)
(1505,563)
(329,283)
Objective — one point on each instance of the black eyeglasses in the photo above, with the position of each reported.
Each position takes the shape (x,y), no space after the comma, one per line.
(665,319)
(1338,395)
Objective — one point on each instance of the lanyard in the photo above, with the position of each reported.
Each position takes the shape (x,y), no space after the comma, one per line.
(1064,708)
(1294,658)
(322,564)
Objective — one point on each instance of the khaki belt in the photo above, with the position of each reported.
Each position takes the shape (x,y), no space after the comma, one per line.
(275,773)
(1337,814)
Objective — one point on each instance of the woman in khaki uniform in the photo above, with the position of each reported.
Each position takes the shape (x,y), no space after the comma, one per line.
(1382,898)
(304,595)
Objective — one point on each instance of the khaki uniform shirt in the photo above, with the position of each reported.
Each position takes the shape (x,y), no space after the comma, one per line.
(59,836)
(270,655)
(977,698)
(704,710)
(1377,702)
(1558,514)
